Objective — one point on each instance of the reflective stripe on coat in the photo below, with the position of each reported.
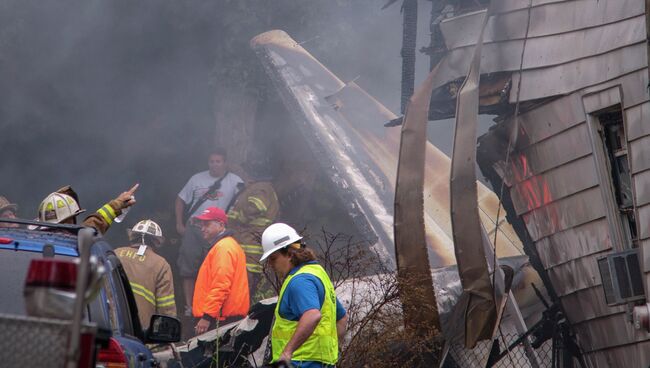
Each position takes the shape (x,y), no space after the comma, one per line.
(151,281)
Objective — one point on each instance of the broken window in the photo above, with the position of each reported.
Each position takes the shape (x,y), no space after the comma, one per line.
(612,132)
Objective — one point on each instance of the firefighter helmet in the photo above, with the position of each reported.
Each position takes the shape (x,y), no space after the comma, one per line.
(58,207)
(144,228)
(276,237)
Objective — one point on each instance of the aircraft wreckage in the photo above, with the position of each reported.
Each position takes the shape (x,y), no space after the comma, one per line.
(569,157)
(344,125)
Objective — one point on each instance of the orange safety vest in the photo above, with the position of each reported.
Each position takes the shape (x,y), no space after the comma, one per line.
(221,288)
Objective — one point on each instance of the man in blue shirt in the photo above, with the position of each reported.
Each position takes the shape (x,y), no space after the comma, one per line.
(303,293)
(309,319)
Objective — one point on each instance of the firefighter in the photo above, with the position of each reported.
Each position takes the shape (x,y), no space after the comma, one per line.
(149,274)
(221,293)
(309,319)
(62,207)
(255,208)
(7,210)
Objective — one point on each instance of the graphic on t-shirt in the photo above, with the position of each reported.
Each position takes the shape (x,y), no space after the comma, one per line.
(199,185)
(214,196)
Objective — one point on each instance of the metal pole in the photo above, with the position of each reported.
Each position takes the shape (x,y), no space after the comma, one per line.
(647,33)
(437,44)
(522,330)
(84,241)
(409,36)
(511,305)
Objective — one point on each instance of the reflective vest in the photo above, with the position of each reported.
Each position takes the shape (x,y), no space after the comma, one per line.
(322,345)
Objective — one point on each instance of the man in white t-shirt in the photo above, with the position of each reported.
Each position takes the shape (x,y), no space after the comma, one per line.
(215,187)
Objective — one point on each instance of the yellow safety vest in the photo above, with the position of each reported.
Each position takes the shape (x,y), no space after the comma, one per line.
(323,344)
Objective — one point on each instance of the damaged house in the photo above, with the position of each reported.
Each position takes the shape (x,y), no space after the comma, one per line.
(568,83)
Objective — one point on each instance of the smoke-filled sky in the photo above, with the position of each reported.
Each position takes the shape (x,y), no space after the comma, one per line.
(101,94)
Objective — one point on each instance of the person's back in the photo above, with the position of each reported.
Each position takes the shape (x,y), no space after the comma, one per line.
(149,274)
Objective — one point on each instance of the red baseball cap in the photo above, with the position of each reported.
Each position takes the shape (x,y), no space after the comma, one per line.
(213,214)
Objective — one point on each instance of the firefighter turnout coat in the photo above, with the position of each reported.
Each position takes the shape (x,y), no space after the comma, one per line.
(100,220)
(151,281)
(256,208)
(104,217)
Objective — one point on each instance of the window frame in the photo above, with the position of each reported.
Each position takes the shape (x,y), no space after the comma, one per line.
(595,104)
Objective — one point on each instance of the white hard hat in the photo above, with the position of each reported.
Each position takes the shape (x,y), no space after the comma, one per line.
(278,236)
(58,207)
(146,227)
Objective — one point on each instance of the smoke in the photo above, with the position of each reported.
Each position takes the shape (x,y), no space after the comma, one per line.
(98,95)
(102,94)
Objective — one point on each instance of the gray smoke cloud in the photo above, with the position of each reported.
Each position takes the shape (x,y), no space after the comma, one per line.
(102,94)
